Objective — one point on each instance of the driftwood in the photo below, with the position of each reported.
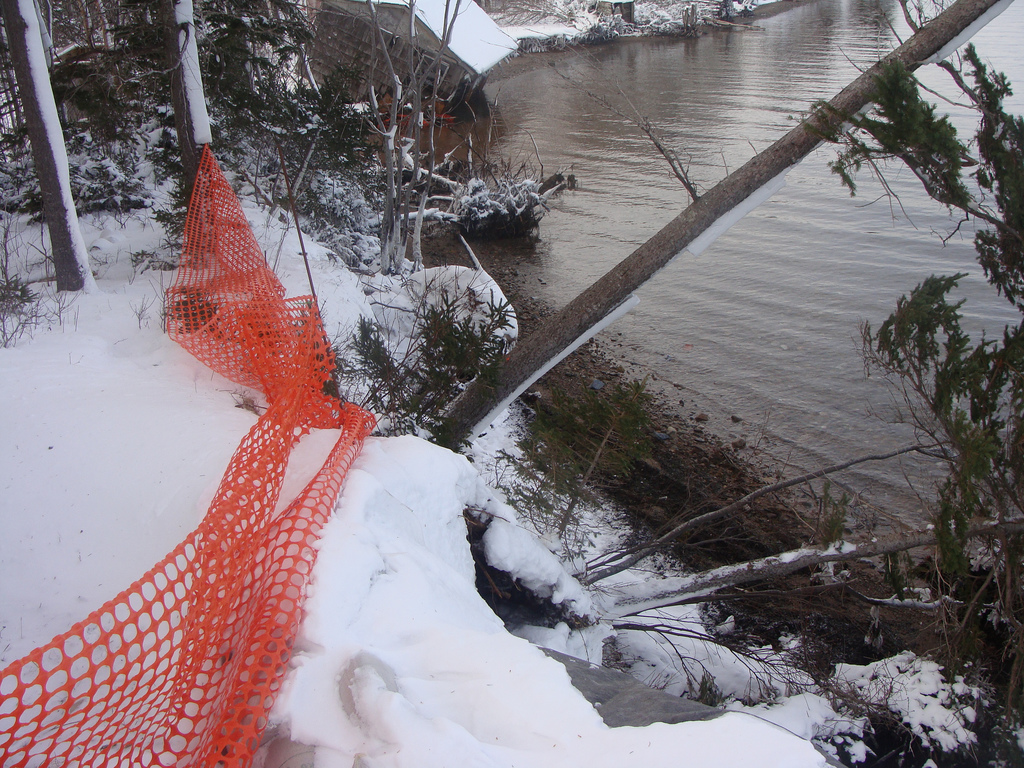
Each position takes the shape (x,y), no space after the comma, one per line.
(621,560)
(708,582)
(577,320)
(552,181)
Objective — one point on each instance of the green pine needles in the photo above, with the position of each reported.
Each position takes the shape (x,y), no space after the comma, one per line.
(577,439)
(905,127)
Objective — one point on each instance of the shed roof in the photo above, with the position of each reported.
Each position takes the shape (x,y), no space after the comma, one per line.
(476,39)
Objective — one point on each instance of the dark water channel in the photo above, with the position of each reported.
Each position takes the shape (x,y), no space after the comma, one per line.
(764,325)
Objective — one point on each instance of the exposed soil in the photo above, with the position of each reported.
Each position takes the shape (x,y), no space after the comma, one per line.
(692,471)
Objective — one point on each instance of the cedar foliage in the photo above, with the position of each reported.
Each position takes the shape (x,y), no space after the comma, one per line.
(966,394)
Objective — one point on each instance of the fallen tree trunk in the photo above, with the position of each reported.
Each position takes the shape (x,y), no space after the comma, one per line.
(708,582)
(617,562)
(703,221)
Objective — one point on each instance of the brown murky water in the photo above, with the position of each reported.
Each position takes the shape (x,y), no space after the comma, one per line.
(764,325)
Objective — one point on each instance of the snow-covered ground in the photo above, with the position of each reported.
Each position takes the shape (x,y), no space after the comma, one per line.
(570,22)
(407,666)
(114,439)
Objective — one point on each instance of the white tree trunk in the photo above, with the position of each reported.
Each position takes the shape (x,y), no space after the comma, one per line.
(28,56)
(191,76)
(191,120)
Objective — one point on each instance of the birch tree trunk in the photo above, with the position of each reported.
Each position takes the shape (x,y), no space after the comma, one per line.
(703,221)
(188,100)
(405,126)
(28,58)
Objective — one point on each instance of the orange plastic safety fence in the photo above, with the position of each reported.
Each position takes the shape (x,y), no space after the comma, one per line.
(182,668)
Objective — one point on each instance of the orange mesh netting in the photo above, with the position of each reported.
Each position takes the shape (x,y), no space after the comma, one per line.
(182,668)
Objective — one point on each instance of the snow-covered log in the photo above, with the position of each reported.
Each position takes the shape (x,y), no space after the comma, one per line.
(776,566)
(191,120)
(513,208)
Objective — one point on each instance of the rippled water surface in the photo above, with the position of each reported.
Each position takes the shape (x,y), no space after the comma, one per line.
(763,325)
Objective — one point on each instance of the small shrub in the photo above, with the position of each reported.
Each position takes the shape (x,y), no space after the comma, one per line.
(104,178)
(143,261)
(19,311)
(340,215)
(709,693)
(577,443)
(832,513)
(606,432)
(511,209)
(18,186)
(455,338)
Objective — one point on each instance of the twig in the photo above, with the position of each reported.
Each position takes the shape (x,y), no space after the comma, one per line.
(298,229)
(632,556)
(472,256)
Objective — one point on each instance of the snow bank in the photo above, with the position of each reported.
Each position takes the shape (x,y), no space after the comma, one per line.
(113,442)
(936,710)
(514,550)
(540,31)
(473,292)
(113,438)
(405,665)
(398,304)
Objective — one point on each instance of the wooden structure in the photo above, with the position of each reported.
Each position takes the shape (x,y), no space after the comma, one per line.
(345,37)
(623,8)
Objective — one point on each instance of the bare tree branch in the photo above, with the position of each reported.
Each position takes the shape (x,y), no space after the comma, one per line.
(616,562)
(679,169)
(708,582)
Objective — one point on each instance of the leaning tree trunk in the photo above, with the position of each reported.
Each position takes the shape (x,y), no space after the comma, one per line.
(697,226)
(70,258)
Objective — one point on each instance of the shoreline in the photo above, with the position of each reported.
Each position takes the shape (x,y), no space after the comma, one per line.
(708,452)
(678,401)
(682,440)
(559,41)
(712,458)
(689,419)
(691,470)
(680,408)
(788,429)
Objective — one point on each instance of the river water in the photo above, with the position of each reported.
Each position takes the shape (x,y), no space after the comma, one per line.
(764,325)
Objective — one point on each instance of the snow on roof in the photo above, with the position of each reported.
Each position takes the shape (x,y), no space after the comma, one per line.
(476,39)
